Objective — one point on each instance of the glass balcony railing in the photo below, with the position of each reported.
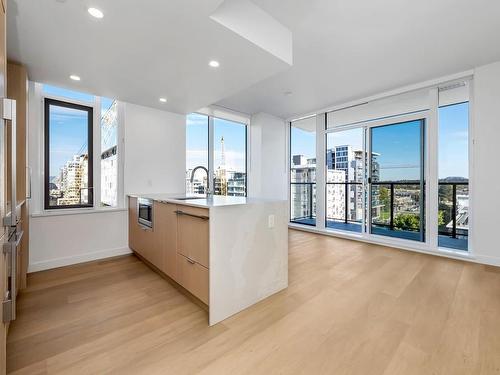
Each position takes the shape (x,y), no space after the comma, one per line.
(396,209)
(344,206)
(303,203)
(453,215)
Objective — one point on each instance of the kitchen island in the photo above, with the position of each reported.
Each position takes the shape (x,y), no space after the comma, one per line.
(228,252)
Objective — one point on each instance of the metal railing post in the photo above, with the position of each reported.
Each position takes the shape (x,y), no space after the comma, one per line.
(454,212)
(310,201)
(346,201)
(392,206)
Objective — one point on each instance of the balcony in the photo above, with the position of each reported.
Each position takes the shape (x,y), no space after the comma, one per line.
(395,209)
(303,203)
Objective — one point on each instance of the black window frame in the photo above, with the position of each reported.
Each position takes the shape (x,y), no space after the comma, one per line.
(90,148)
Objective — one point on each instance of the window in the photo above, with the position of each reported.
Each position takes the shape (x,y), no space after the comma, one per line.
(225,161)
(453,162)
(196,154)
(230,149)
(59,92)
(109,157)
(68,155)
(303,171)
(397,185)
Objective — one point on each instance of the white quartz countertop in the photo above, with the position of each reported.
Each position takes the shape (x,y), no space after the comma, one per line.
(201,200)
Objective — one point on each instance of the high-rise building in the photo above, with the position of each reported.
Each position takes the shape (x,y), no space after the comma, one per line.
(72,185)
(109,177)
(303,192)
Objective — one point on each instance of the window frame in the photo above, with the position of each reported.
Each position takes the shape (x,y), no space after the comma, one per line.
(211,147)
(48,101)
(431,162)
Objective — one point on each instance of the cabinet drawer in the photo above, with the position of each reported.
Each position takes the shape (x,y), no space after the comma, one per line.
(193,277)
(193,234)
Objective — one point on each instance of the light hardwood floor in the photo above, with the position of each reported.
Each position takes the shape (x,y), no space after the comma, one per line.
(351,308)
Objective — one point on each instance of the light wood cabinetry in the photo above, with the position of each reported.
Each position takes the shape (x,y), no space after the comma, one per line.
(144,241)
(178,244)
(17,89)
(193,234)
(193,276)
(166,223)
(3,257)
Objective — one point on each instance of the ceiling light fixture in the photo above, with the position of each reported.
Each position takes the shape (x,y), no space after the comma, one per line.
(163,100)
(214,64)
(94,12)
(74,77)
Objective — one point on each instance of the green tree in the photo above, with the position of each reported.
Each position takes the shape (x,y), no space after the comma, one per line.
(407,221)
(441,217)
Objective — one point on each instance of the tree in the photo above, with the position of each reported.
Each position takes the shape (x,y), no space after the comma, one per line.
(407,221)
(441,218)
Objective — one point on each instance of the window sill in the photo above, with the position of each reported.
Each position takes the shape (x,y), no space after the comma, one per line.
(76,211)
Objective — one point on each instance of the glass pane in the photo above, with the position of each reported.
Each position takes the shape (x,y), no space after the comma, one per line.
(196,153)
(64,93)
(453,214)
(345,161)
(109,158)
(230,172)
(303,171)
(397,192)
(68,157)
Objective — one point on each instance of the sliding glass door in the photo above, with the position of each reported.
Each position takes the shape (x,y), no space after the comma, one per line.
(396,180)
(375,181)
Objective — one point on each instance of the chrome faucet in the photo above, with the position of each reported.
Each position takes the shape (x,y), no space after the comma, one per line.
(208,192)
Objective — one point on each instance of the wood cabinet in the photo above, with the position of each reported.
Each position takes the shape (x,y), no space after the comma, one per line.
(166,222)
(193,234)
(143,240)
(3,196)
(193,276)
(17,89)
(178,244)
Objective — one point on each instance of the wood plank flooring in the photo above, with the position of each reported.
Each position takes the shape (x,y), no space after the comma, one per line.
(351,308)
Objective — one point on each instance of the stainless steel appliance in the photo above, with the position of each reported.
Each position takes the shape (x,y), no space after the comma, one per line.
(12,232)
(145,212)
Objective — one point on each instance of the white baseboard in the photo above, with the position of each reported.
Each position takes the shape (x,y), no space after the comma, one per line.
(467,257)
(82,258)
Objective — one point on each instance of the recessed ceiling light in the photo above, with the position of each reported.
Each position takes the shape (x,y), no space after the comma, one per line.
(214,64)
(74,77)
(163,100)
(94,12)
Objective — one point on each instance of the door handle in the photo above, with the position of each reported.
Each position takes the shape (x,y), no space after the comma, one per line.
(179,212)
(8,108)
(190,261)
(9,303)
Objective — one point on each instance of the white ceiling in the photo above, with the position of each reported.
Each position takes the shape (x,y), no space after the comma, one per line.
(342,49)
(350,49)
(140,51)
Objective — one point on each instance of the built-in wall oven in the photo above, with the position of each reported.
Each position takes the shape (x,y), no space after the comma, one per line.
(145,212)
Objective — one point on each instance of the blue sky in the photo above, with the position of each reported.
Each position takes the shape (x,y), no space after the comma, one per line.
(197,142)
(68,127)
(398,146)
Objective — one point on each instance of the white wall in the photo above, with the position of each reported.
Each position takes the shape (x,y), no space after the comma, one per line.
(154,150)
(268,176)
(62,240)
(485,171)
